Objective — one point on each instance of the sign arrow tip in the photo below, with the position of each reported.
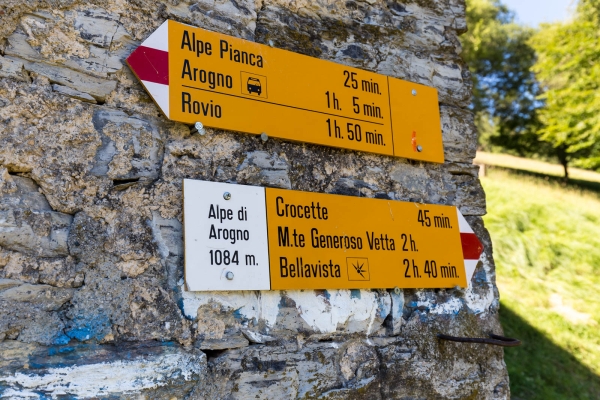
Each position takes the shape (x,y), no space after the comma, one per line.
(150,63)
(471,246)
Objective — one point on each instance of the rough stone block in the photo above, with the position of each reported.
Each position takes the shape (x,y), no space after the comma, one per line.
(395,319)
(45,297)
(57,272)
(9,283)
(23,194)
(458,134)
(67,91)
(256,337)
(96,87)
(132,146)
(236,18)
(263,169)
(99,27)
(38,233)
(228,342)
(12,69)
(98,61)
(29,312)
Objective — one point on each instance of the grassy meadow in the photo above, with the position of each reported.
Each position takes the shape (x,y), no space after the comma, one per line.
(546,241)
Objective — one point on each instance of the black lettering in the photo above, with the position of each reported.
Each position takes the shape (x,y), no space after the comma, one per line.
(279,200)
(185,41)
(211,212)
(283,270)
(314,232)
(223,47)
(186,98)
(283,236)
(186,70)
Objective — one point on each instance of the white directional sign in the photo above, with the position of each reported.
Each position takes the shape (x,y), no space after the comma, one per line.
(226,229)
(252,238)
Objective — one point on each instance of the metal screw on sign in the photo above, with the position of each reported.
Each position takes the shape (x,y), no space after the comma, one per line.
(419,148)
(227,195)
(264,137)
(199,128)
(229,275)
(414,92)
(397,291)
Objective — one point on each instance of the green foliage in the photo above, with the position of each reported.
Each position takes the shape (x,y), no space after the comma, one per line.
(568,67)
(505,89)
(547,253)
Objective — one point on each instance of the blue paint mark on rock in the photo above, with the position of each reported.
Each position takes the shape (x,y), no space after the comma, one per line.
(237,314)
(80,334)
(62,339)
(86,329)
(182,308)
(355,294)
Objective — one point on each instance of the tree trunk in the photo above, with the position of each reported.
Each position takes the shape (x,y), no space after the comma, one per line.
(563,158)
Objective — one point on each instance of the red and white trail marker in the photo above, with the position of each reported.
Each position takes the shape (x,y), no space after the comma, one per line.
(471,246)
(150,63)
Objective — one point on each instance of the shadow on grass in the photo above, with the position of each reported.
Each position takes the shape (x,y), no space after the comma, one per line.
(539,369)
(573,183)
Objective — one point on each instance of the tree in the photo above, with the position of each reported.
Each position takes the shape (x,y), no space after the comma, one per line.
(505,89)
(568,67)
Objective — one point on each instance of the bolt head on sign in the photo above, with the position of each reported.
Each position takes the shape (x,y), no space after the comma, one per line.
(241,237)
(230,83)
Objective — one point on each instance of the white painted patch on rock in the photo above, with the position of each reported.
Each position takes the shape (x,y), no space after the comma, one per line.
(95,380)
(451,306)
(341,310)
(481,299)
(264,306)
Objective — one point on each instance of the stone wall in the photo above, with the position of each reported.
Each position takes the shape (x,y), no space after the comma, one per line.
(91,276)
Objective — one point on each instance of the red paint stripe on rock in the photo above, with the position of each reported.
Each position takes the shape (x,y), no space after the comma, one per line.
(150,64)
(472,247)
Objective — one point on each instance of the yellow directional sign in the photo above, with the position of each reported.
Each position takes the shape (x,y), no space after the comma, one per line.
(195,75)
(252,238)
(324,241)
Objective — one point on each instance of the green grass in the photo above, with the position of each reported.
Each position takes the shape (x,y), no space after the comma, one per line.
(547,250)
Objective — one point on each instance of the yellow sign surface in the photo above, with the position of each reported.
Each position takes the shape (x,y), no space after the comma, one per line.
(230,83)
(321,241)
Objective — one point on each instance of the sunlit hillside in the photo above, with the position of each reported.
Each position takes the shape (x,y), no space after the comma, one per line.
(547,250)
